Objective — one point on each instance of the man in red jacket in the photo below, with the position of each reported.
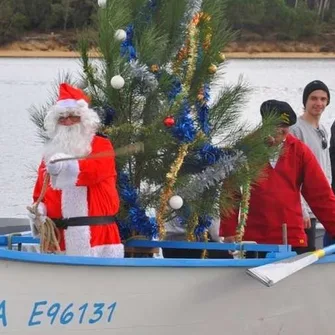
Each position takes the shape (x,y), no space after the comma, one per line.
(275,199)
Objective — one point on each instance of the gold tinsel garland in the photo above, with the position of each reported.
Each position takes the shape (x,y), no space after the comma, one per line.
(167,192)
(183,150)
(184,52)
(204,252)
(243,216)
(192,224)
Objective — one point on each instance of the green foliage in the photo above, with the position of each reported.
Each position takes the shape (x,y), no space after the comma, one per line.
(304,22)
(274,16)
(12,23)
(245,13)
(20,16)
(262,16)
(35,12)
(294,22)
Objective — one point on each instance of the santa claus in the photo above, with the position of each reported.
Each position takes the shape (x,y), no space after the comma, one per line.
(82,197)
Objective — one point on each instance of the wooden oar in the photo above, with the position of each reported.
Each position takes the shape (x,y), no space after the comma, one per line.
(126,150)
(271,274)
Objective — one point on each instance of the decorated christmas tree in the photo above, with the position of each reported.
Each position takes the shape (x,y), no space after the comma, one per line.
(153,83)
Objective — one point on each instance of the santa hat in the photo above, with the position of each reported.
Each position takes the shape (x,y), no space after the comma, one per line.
(71,97)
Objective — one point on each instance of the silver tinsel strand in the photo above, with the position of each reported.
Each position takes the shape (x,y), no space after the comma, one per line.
(210,176)
(193,7)
(141,72)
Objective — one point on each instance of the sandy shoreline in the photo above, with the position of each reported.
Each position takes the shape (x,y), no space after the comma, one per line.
(229,55)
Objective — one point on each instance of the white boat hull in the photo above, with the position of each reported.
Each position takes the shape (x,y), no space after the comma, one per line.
(122,299)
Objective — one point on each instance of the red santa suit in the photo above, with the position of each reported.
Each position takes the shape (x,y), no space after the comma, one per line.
(81,188)
(85,188)
(276,199)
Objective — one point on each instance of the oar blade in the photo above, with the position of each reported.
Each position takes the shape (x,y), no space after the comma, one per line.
(272,273)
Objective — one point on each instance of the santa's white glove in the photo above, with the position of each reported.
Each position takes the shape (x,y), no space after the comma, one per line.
(55,169)
(36,221)
(63,174)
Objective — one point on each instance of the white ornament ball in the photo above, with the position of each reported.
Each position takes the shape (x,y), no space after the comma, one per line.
(117,82)
(176,202)
(102,3)
(120,35)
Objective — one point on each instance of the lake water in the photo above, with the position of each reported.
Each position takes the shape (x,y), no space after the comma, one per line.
(24,82)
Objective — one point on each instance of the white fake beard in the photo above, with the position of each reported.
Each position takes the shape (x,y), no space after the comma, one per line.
(71,140)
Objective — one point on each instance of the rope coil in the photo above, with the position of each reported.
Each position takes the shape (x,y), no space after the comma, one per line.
(49,233)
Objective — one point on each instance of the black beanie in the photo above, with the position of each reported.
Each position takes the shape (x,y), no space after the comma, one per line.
(282,109)
(313,86)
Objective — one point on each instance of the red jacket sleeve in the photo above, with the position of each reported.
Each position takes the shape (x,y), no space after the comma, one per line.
(94,171)
(317,192)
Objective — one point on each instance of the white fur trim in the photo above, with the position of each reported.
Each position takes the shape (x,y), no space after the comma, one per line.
(67,177)
(42,209)
(108,251)
(78,239)
(82,103)
(72,103)
(74,203)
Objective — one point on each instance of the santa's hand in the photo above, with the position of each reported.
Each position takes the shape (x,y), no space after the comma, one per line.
(37,217)
(55,168)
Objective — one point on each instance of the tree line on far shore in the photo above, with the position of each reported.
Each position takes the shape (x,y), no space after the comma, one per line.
(282,19)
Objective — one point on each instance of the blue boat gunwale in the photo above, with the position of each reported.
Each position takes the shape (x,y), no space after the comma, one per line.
(32,257)
(281,251)
(18,238)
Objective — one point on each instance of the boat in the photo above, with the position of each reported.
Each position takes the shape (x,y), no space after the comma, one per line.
(67,295)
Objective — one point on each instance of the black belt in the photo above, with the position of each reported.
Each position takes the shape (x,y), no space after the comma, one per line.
(84,221)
